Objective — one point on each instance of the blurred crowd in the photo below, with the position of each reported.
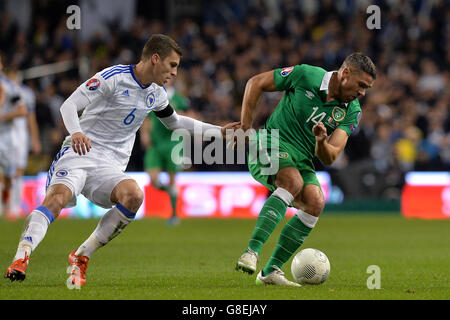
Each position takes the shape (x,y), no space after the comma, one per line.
(406,115)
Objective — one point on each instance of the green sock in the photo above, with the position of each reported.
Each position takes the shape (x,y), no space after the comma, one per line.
(291,238)
(173,194)
(271,214)
(162,187)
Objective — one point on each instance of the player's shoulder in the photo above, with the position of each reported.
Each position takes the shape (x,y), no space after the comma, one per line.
(354,106)
(5,80)
(109,77)
(27,90)
(113,71)
(157,90)
(312,72)
(304,73)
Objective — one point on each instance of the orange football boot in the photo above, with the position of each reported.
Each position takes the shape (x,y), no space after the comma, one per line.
(16,270)
(79,265)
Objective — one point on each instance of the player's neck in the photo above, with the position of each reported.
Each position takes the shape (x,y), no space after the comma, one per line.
(143,77)
(333,88)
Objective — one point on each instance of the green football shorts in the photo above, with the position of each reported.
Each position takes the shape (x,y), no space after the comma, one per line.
(160,157)
(265,159)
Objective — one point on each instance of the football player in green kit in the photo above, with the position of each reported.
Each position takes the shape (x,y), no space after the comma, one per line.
(156,138)
(316,115)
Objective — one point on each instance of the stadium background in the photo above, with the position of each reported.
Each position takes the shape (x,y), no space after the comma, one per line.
(406,120)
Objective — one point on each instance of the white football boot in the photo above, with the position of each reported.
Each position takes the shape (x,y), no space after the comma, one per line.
(276,277)
(248,261)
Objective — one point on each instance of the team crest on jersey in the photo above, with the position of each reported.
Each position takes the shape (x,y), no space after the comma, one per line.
(283,155)
(93,84)
(62,173)
(285,72)
(150,100)
(338,114)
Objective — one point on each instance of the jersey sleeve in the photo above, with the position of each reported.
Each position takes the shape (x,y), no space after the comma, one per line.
(287,78)
(162,100)
(352,119)
(98,87)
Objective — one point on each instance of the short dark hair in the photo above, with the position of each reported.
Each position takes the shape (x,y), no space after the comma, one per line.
(160,44)
(361,62)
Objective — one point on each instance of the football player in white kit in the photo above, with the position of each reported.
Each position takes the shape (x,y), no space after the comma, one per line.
(11,107)
(94,156)
(25,137)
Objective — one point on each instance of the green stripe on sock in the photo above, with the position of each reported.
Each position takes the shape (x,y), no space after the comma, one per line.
(291,238)
(271,214)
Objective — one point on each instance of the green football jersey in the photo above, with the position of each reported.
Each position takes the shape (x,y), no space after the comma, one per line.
(303,105)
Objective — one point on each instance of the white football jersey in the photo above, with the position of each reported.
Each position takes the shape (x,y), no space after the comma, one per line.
(118,106)
(13,99)
(20,130)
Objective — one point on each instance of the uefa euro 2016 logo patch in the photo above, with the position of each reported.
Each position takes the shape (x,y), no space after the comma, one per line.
(93,84)
(285,72)
(338,114)
(150,100)
(62,173)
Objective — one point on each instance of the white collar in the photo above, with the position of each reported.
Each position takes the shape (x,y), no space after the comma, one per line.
(326,82)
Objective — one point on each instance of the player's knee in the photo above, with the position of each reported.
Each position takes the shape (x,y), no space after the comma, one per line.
(132,199)
(56,198)
(290,180)
(55,203)
(315,206)
(292,186)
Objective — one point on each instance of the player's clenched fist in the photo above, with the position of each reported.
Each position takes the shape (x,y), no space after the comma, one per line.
(80,143)
(319,131)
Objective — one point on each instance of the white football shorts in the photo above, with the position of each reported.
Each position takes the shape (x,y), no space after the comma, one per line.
(21,154)
(90,175)
(21,143)
(7,163)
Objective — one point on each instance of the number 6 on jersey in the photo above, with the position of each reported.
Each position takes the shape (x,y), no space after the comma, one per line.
(130,117)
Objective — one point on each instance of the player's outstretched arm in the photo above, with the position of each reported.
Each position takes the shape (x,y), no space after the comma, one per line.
(257,84)
(172,121)
(328,148)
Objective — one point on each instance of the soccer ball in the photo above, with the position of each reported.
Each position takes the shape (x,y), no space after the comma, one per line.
(310,266)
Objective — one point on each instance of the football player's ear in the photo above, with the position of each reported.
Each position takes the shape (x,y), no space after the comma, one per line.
(155,58)
(345,72)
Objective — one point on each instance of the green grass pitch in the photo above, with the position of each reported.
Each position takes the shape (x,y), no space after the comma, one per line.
(195,260)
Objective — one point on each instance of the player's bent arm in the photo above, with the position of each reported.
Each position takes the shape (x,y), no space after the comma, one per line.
(2,96)
(69,112)
(34,133)
(329,148)
(19,111)
(257,84)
